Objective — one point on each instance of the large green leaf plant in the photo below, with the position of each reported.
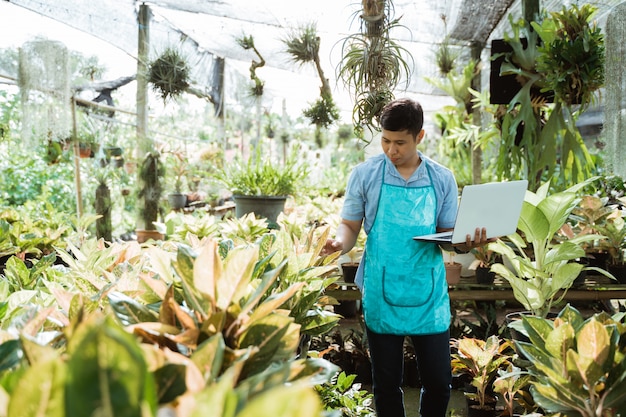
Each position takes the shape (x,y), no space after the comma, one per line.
(578,366)
(541,268)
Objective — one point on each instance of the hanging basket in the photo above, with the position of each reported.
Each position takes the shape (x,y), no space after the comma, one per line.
(169,74)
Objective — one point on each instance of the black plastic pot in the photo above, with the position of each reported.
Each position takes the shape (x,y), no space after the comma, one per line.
(484,275)
(618,271)
(268,207)
(177,200)
(349,271)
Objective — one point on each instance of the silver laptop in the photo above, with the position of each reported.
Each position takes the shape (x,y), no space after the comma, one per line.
(494,205)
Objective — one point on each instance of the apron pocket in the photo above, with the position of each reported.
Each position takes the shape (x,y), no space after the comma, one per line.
(407,290)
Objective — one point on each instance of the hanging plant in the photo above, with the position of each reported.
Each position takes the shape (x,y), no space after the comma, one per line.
(373,64)
(169,74)
(304,46)
(564,54)
(445,55)
(323,112)
(247,42)
(572,54)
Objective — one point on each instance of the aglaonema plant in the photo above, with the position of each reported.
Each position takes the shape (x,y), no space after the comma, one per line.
(216,339)
(578,365)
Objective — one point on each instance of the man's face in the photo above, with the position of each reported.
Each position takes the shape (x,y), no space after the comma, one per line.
(399,146)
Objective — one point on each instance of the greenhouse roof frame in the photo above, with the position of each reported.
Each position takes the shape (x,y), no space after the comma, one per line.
(206,29)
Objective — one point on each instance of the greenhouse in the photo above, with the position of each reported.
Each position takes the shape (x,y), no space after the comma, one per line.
(217,208)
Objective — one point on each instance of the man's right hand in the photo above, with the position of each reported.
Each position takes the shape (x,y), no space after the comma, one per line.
(332,246)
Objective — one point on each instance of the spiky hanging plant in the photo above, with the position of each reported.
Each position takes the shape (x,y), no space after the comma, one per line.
(169,74)
(247,43)
(304,46)
(373,63)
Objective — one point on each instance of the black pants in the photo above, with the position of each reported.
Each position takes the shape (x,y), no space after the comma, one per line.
(433,361)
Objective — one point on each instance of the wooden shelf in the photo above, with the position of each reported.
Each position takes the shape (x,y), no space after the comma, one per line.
(595,288)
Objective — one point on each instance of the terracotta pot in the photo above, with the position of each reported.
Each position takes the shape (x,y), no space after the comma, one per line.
(453,272)
(145,235)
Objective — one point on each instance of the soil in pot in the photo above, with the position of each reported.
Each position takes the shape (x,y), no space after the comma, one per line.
(598,259)
(473,411)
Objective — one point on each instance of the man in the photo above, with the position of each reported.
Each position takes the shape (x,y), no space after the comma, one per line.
(396,195)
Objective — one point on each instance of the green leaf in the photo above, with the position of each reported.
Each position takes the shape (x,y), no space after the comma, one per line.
(593,348)
(107,372)
(170,382)
(560,340)
(130,311)
(209,357)
(40,392)
(533,223)
(184,268)
(286,401)
(276,338)
(557,208)
(219,399)
(233,283)
(10,354)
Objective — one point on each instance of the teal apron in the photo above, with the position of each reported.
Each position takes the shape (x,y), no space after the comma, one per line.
(404,284)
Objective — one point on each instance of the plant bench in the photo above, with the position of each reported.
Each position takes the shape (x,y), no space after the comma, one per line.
(595,288)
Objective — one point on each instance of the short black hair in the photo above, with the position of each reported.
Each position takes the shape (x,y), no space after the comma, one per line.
(403,114)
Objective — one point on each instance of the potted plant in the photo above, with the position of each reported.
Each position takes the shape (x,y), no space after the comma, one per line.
(261,186)
(590,214)
(540,267)
(480,360)
(577,364)
(177,199)
(614,242)
(373,63)
(453,269)
(350,267)
(561,60)
(482,264)
(511,385)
